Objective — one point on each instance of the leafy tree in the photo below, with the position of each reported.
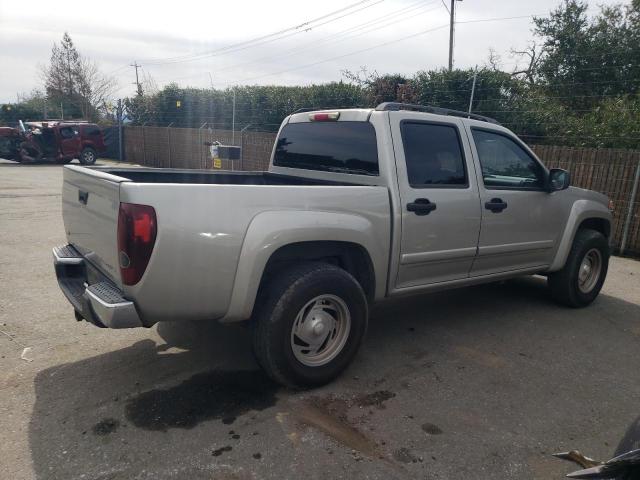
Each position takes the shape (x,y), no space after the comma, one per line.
(75,81)
(585,60)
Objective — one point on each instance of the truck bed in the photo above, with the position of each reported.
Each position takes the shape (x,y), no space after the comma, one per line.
(209,177)
(205,220)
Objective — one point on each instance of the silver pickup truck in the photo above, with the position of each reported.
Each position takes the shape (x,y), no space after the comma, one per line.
(357,206)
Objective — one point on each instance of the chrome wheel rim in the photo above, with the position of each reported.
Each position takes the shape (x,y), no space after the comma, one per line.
(589,271)
(320,330)
(88,157)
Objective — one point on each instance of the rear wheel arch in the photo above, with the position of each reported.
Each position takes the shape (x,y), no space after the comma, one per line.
(351,257)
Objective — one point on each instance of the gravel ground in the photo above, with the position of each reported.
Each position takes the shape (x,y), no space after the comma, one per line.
(482,382)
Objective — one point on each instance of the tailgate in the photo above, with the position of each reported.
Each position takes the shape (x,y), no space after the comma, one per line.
(90,203)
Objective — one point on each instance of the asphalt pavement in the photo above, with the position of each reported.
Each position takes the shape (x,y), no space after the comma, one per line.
(476,383)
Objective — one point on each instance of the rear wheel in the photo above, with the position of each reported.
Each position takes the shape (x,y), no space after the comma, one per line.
(88,156)
(580,281)
(309,324)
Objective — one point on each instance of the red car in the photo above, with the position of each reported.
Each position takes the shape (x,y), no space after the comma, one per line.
(58,141)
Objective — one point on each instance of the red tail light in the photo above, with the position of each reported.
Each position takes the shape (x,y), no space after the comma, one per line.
(324,117)
(137,229)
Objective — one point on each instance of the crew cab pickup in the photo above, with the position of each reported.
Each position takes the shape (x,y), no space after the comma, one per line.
(358,205)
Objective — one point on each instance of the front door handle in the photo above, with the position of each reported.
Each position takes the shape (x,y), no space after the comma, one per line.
(421,206)
(496,205)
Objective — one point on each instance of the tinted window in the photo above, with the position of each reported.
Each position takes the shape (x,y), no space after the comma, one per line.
(91,131)
(505,163)
(348,147)
(67,132)
(433,155)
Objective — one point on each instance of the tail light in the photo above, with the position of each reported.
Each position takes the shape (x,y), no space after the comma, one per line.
(324,117)
(137,230)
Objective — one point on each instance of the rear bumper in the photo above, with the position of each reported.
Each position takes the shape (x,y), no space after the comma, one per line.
(92,295)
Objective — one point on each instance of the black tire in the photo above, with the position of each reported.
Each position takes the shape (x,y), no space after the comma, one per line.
(565,284)
(287,293)
(88,156)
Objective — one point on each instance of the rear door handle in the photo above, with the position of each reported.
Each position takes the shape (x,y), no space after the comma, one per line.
(83,197)
(421,206)
(496,205)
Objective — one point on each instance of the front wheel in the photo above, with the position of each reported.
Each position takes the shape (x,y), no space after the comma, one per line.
(581,279)
(88,156)
(309,324)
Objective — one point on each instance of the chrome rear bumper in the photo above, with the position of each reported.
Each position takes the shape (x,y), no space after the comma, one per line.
(100,303)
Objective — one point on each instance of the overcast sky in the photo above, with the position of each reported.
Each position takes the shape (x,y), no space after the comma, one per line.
(161,36)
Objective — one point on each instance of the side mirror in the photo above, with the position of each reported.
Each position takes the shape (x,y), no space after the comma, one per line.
(558,179)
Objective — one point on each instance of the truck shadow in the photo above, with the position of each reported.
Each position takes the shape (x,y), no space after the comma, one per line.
(154,408)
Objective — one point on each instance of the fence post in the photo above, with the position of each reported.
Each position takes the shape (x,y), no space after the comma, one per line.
(144,146)
(169,141)
(242,145)
(200,143)
(632,199)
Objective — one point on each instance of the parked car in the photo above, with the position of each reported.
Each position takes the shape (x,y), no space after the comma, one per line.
(61,142)
(357,206)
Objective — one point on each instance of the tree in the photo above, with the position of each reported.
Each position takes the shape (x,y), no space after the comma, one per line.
(532,56)
(585,60)
(76,81)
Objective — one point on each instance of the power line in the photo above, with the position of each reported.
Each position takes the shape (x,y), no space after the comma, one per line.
(341,36)
(285,33)
(344,55)
(497,19)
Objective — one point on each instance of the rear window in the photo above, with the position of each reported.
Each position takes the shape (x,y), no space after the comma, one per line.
(344,147)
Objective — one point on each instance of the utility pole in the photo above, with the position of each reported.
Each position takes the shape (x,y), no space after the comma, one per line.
(119,114)
(137,83)
(473,88)
(452,22)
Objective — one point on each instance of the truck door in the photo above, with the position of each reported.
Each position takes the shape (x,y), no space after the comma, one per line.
(439,199)
(69,142)
(521,221)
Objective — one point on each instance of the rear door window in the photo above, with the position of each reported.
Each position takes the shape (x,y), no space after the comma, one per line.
(433,155)
(343,147)
(67,132)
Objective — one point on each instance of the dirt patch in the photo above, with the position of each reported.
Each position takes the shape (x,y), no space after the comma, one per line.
(205,396)
(404,455)
(338,428)
(485,359)
(105,427)
(329,414)
(431,429)
(375,399)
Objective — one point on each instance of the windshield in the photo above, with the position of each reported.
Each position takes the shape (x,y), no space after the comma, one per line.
(346,147)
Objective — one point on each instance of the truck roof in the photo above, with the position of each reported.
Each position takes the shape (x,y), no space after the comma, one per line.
(363,114)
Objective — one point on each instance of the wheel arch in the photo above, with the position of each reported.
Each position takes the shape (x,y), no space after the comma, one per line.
(351,257)
(277,239)
(599,224)
(584,214)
